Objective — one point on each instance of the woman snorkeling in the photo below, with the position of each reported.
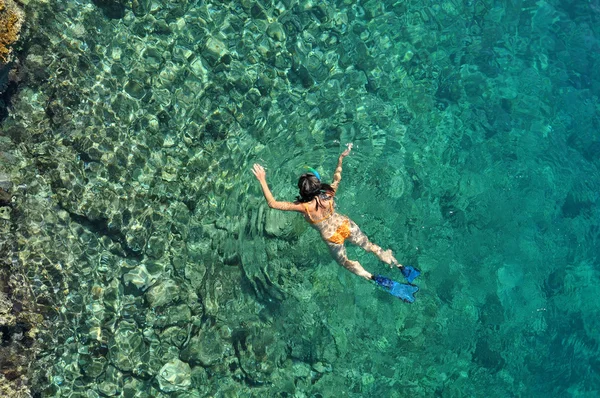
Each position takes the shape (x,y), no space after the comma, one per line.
(316,203)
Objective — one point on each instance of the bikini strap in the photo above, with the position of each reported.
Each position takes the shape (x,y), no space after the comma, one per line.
(321,219)
(308,213)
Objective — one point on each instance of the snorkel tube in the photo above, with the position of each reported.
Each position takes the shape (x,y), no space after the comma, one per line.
(313,171)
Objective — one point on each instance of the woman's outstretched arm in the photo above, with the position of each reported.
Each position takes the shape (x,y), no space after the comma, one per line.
(261,176)
(337,175)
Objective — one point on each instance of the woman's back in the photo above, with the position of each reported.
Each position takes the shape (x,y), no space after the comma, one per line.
(321,214)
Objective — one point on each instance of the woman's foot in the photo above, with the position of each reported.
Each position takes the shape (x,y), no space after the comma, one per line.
(388,257)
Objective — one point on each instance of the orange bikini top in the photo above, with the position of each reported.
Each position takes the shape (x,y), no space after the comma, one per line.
(331,211)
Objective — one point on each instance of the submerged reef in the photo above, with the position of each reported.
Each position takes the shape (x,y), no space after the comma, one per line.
(11,20)
(19,315)
(134,229)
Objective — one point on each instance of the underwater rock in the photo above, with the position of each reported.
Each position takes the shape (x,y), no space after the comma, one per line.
(114,9)
(300,369)
(140,278)
(321,368)
(156,247)
(140,7)
(110,386)
(180,217)
(314,345)
(175,335)
(135,89)
(198,68)
(5,182)
(173,315)
(91,366)
(260,354)
(163,293)
(316,66)
(6,316)
(130,308)
(275,31)
(174,376)
(486,356)
(132,387)
(194,273)
(573,206)
(127,347)
(5,198)
(205,349)
(214,50)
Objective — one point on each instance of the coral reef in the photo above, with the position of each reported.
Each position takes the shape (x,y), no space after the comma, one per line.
(11,20)
(19,318)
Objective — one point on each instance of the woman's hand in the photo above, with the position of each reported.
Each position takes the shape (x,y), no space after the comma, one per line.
(259,172)
(347,151)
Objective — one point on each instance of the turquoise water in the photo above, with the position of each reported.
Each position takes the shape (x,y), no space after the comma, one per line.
(161,271)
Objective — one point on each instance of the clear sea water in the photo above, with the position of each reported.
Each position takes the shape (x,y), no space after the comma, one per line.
(161,271)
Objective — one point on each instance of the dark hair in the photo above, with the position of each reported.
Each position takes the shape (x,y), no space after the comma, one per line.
(310,187)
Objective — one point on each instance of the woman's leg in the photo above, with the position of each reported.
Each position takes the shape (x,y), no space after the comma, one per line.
(358,238)
(339,254)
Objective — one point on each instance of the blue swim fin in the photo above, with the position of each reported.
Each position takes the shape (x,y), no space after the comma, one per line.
(403,291)
(410,273)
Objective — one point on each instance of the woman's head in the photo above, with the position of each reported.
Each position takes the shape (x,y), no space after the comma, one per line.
(310,186)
